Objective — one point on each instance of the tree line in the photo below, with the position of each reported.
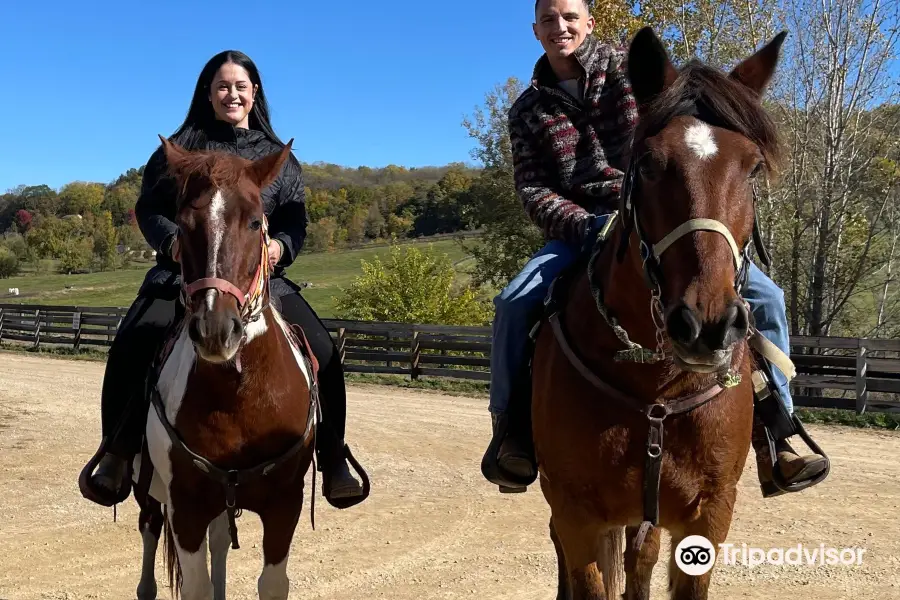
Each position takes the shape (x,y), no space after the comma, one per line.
(832,217)
(88,226)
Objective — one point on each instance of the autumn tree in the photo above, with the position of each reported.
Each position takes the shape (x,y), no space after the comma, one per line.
(413,286)
(509,237)
(80,198)
(831,212)
(105,240)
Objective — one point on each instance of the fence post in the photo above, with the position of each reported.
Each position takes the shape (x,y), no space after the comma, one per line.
(341,339)
(1,325)
(76,325)
(37,328)
(414,353)
(388,347)
(862,393)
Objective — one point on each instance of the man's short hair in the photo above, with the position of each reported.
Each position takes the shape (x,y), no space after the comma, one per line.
(587,4)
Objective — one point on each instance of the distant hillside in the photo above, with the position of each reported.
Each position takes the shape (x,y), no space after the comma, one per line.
(84,226)
(329,176)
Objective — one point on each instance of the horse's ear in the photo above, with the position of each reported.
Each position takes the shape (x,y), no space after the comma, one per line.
(756,71)
(649,68)
(264,171)
(175,154)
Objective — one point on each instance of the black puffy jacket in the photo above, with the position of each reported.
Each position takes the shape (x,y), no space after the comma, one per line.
(284,201)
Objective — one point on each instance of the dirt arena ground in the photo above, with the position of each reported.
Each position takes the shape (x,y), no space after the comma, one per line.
(433,528)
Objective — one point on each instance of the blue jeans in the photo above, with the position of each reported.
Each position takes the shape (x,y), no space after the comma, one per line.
(517,309)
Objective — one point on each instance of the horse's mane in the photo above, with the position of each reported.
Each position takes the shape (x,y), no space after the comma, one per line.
(718,98)
(219,169)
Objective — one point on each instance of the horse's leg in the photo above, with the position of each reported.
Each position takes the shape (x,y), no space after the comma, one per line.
(639,565)
(189,539)
(713,523)
(219,543)
(611,559)
(150,525)
(562,590)
(579,536)
(279,522)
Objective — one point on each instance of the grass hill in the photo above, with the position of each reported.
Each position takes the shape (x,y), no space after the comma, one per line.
(325,272)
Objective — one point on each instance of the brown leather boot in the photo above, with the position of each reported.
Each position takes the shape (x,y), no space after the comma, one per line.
(789,471)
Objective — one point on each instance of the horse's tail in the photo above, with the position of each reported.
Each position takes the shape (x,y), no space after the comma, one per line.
(173,565)
(612,561)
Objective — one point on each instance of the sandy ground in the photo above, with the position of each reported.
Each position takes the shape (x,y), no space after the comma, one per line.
(432,527)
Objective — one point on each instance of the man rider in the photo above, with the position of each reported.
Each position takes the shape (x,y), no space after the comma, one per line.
(564,130)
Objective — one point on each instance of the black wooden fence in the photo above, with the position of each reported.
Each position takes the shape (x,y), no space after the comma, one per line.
(832,372)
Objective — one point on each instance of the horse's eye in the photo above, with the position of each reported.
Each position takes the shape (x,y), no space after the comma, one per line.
(757,169)
(255,224)
(648,168)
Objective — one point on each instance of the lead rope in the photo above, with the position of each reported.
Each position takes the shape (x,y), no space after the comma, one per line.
(634,352)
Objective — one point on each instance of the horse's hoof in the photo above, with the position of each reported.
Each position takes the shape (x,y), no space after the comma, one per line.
(147,593)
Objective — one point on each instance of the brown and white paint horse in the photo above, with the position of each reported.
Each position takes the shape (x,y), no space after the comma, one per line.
(667,278)
(233,424)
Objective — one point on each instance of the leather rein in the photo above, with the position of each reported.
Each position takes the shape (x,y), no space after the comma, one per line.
(655,412)
(251,305)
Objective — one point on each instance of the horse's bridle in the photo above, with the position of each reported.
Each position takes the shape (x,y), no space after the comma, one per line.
(651,254)
(250,303)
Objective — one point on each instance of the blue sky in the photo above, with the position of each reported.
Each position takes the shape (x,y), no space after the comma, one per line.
(354,83)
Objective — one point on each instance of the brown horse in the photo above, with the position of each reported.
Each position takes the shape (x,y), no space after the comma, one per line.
(654,338)
(234,396)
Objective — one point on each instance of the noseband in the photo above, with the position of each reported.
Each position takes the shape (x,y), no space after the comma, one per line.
(250,303)
(651,254)
(656,413)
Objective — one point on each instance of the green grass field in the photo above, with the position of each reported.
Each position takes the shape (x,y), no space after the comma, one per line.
(326,273)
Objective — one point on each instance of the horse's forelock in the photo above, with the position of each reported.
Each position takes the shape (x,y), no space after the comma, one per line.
(728,102)
(201,174)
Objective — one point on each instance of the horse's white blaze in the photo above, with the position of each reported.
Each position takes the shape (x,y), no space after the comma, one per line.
(700,139)
(297,356)
(217,229)
(273,583)
(210,299)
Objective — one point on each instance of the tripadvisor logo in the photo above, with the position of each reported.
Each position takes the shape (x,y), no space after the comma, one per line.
(695,555)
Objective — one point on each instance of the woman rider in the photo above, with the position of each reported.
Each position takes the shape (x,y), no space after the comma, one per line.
(228,112)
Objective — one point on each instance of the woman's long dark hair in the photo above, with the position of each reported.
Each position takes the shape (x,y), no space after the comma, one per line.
(201,116)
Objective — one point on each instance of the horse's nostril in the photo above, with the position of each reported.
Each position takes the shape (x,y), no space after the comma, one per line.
(194,329)
(683,325)
(737,323)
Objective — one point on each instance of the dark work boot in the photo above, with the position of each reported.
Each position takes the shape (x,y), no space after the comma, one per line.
(110,483)
(339,487)
(509,460)
(339,482)
(779,467)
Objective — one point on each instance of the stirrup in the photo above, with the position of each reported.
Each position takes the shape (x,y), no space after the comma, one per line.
(494,473)
(778,479)
(90,491)
(342,503)
(779,424)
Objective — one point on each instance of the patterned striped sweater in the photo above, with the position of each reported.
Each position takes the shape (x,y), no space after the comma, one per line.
(563,150)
